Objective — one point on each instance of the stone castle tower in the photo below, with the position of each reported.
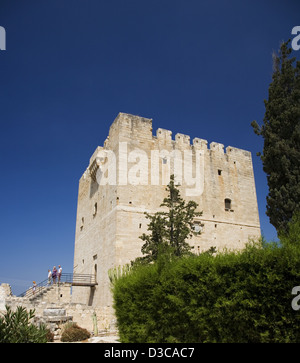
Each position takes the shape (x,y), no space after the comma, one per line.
(128,176)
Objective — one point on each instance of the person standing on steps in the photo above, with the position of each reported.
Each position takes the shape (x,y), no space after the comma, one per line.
(34,287)
(49,277)
(54,275)
(59,273)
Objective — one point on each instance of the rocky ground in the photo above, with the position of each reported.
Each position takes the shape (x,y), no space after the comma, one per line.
(103,339)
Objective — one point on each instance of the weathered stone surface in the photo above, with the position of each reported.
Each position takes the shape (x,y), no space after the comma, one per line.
(54,312)
(5,293)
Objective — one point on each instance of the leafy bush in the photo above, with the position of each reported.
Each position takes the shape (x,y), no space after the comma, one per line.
(15,327)
(233,297)
(73,333)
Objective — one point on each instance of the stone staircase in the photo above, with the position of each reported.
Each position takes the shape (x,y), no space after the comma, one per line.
(66,279)
(39,294)
(52,294)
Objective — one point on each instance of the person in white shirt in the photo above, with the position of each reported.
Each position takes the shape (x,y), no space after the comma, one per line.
(49,277)
(59,272)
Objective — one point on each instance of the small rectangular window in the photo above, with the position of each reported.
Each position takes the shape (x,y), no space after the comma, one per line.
(95,209)
(227,202)
(219,172)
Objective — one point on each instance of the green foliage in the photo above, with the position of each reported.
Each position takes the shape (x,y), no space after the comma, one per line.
(169,230)
(73,333)
(235,297)
(292,236)
(281,134)
(15,327)
(116,272)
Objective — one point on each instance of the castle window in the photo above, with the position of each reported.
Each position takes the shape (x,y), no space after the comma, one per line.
(227,204)
(95,272)
(219,172)
(82,223)
(95,210)
(140,225)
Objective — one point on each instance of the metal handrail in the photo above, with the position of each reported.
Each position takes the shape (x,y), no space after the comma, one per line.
(74,279)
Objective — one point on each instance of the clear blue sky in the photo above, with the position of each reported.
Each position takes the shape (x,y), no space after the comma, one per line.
(201,68)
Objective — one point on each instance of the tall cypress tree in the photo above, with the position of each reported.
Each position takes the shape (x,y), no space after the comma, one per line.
(170,229)
(281,134)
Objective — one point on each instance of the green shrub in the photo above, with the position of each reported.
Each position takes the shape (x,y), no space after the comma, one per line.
(233,297)
(73,333)
(16,327)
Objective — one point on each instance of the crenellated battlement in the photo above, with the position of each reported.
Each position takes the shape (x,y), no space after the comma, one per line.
(182,140)
(237,153)
(128,127)
(216,147)
(199,143)
(164,135)
(136,133)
